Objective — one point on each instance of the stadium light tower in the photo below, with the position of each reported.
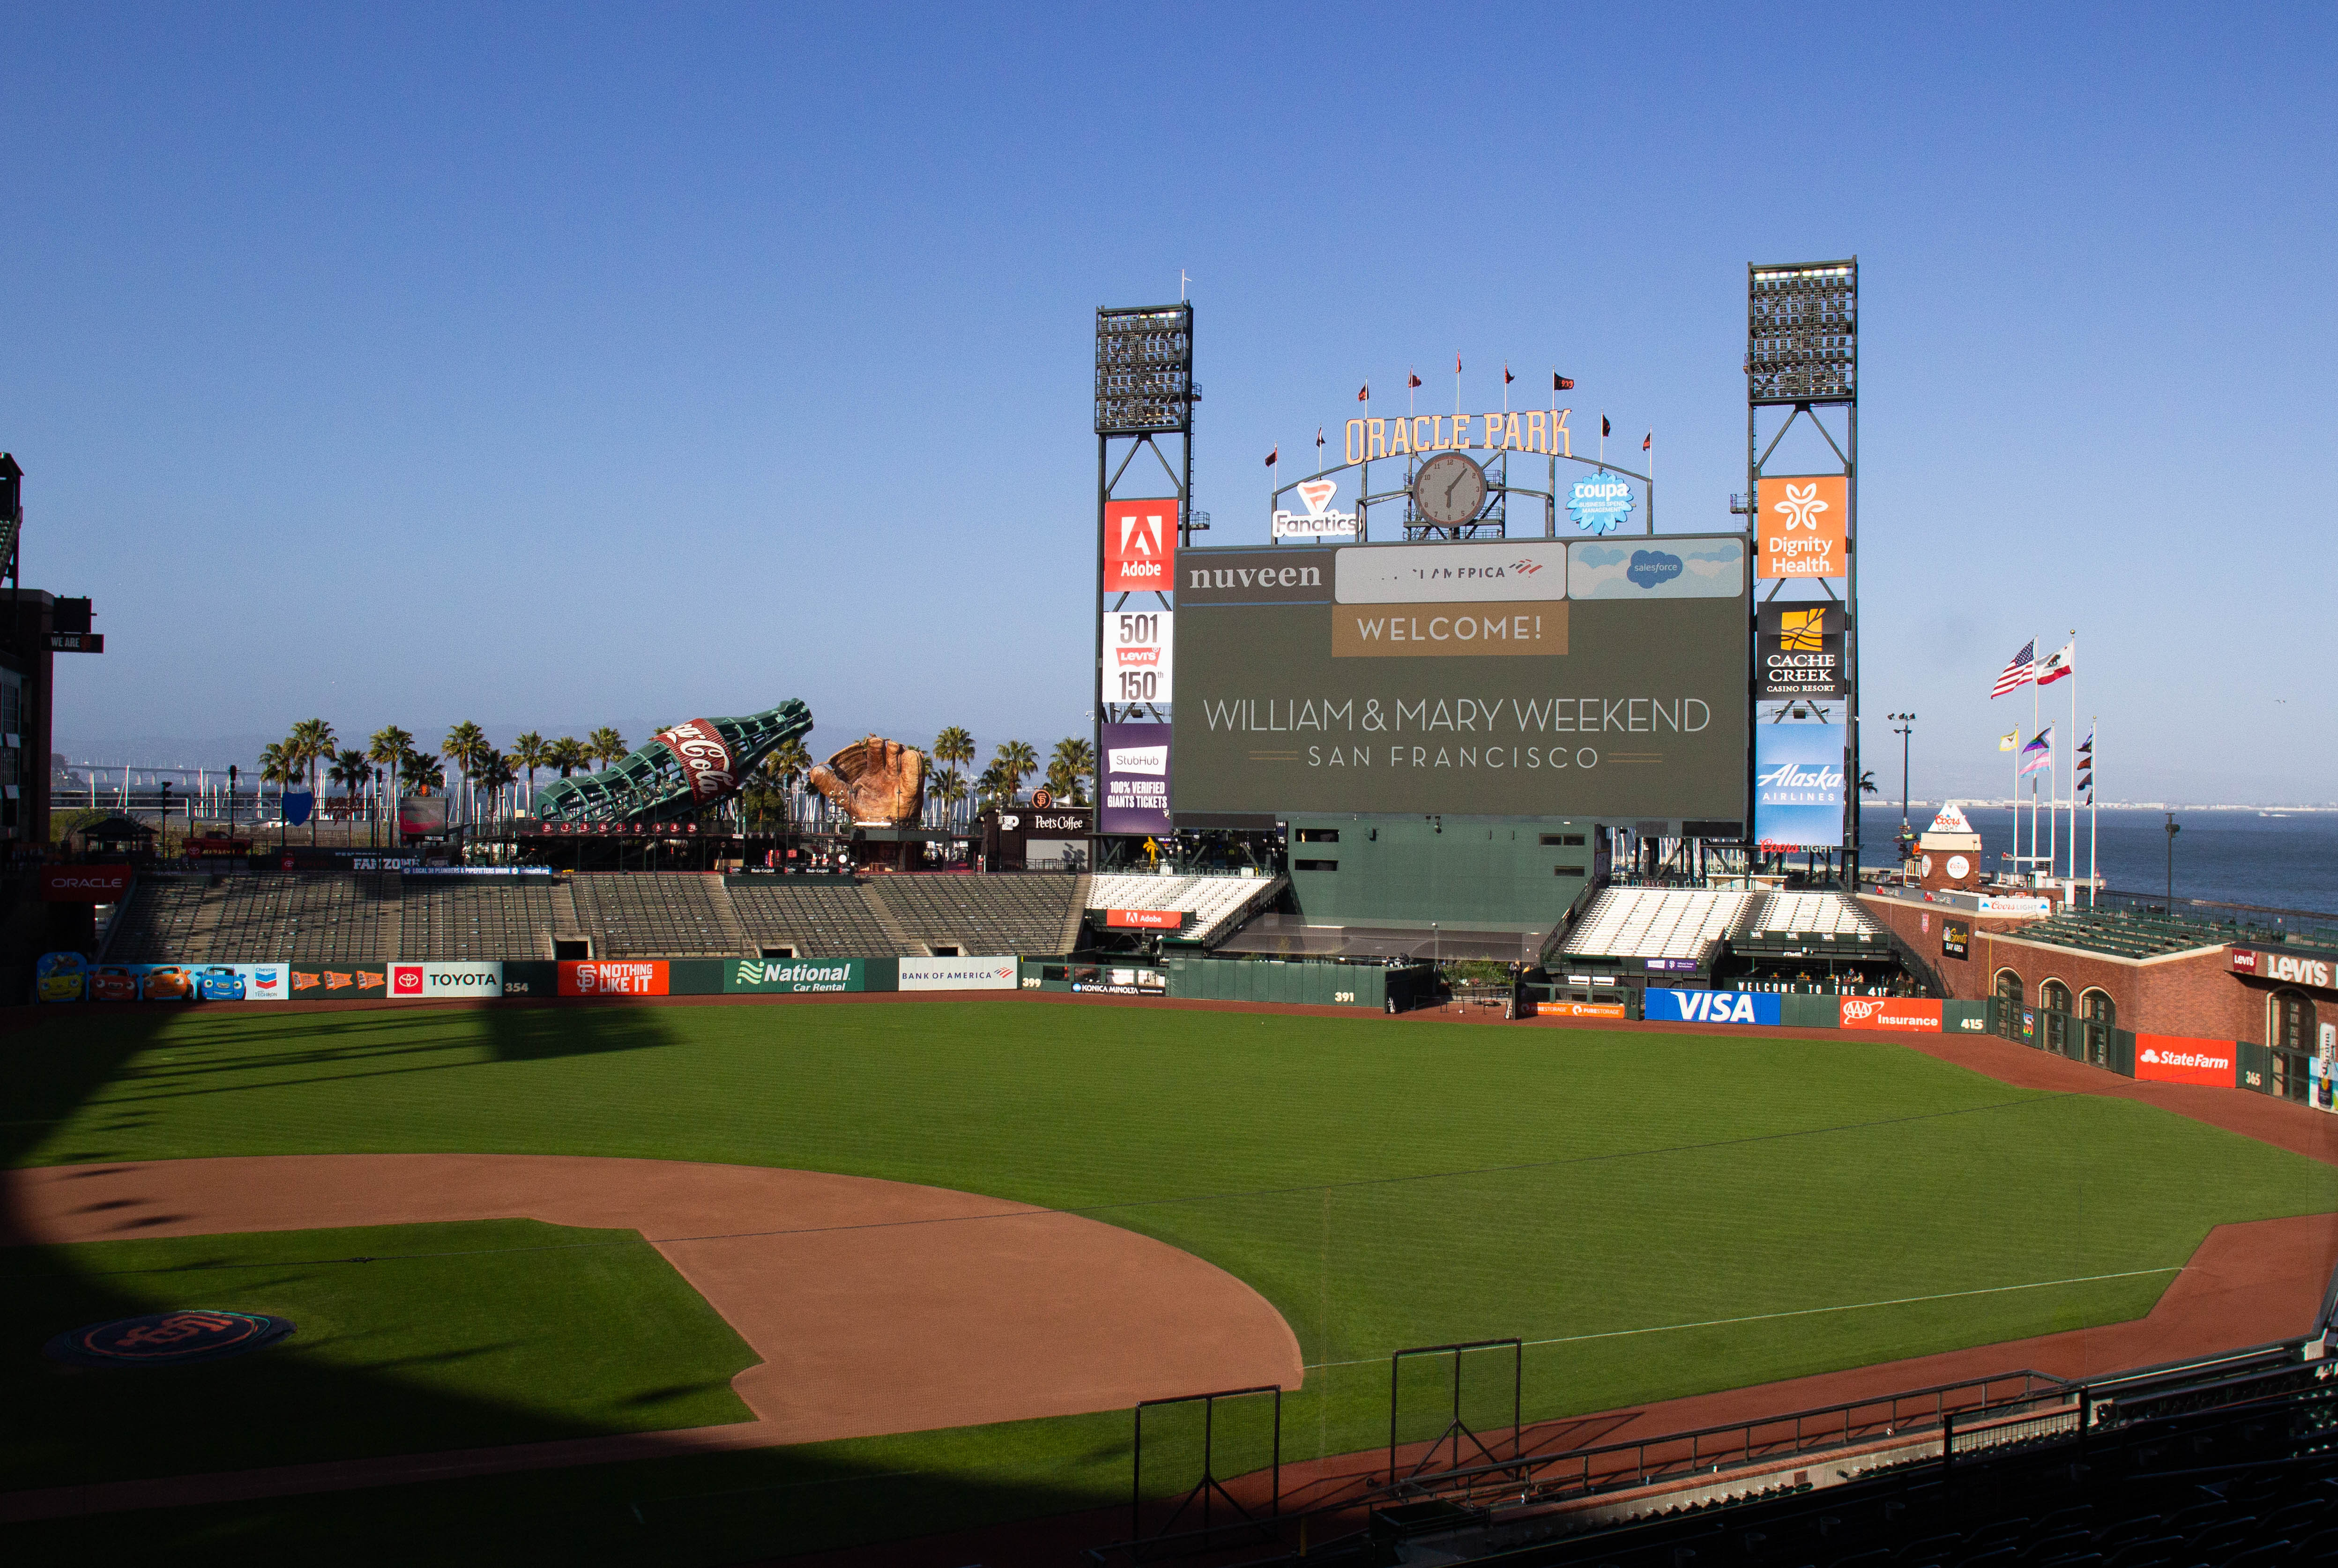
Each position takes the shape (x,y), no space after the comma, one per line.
(1907,724)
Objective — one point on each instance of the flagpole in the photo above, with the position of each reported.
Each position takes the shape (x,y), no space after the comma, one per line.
(2030,865)
(2074,772)
(2093,820)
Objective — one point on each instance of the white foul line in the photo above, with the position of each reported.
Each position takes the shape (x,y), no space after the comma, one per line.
(1798,1312)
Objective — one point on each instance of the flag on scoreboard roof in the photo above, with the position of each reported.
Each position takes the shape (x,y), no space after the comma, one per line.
(1647,441)
(1559,383)
(2010,740)
(1411,379)
(1507,377)
(1364,393)
(1456,363)
(2063,661)
(2018,671)
(1605,428)
(2038,754)
(1272,456)
(1319,444)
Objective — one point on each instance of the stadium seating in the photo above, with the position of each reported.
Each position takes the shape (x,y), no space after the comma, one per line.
(814,918)
(459,919)
(328,918)
(2133,934)
(159,923)
(1810,914)
(1036,915)
(660,915)
(1655,922)
(1217,904)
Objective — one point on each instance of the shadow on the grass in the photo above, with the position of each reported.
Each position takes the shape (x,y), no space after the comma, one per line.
(709,1508)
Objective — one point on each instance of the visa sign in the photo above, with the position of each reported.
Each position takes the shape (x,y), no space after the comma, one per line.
(1139,546)
(1712,1007)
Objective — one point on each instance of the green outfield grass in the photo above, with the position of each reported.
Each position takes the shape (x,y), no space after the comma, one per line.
(1664,1213)
(458,1335)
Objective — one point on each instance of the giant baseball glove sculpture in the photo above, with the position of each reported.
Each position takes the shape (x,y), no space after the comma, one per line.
(877,783)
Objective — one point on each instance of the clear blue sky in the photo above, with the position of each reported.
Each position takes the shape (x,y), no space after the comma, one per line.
(550,369)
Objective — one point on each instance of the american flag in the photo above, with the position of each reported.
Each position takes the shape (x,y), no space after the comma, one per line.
(2018,672)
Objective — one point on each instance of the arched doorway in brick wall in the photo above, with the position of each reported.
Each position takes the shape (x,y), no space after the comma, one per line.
(2098,1016)
(2291,1033)
(2054,1014)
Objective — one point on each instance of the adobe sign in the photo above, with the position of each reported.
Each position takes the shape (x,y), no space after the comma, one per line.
(1144,919)
(1139,546)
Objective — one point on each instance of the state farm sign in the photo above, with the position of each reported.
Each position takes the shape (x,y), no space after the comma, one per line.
(83,884)
(1139,546)
(2174,1059)
(1144,919)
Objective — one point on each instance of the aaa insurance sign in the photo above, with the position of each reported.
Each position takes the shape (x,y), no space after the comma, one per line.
(1139,546)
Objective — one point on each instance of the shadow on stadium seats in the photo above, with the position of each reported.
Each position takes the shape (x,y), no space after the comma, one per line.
(698,1507)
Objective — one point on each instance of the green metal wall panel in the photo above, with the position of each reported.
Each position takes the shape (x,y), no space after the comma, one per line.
(694,976)
(1493,876)
(2253,1067)
(1810,1012)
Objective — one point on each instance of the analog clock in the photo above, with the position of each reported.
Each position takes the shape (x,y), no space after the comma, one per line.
(1449,488)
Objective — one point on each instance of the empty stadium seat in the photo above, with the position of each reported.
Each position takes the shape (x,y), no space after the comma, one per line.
(1215,903)
(655,915)
(459,919)
(1031,915)
(1655,922)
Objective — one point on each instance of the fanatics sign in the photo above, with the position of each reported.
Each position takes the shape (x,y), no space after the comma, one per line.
(1139,546)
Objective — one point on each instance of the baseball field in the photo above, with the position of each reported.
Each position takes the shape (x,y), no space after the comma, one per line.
(1133,1202)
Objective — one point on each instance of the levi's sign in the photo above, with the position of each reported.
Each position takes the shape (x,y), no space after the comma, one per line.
(2283,966)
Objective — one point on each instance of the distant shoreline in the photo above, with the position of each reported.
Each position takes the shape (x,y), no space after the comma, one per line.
(1998,803)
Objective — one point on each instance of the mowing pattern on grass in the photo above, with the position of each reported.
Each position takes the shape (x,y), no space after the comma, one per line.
(412,1337)
(1383,1187)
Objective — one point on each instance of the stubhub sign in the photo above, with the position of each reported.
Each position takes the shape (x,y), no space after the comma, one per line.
(1712,1007)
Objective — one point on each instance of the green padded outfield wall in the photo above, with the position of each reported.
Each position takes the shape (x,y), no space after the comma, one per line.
(1299,980)
(1476,873)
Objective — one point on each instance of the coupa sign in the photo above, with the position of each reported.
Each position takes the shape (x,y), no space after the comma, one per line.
(1712,1007)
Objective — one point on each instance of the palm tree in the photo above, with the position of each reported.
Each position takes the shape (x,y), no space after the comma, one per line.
(388,747)
(1867,785)
(605,745)
(530,752)
(567,754)
(492,771)
(994,785)
(949,788)
(1073,760)
(1016,762)
(312,741)
(953,748)
(461,746)
(353,770)
(279,766)
(422,771)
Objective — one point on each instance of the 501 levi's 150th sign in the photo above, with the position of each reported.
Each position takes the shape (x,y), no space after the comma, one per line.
(1518,677)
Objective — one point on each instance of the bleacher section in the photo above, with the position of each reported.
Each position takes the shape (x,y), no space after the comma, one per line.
(159,924)
(1656,922)
(328,919)
(1810,914)
(990,915)
(812,918)
(2128,934)
(1216,904)
(456,918)
(655,915)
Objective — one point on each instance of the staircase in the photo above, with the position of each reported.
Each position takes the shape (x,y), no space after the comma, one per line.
(733,932)
(567,926)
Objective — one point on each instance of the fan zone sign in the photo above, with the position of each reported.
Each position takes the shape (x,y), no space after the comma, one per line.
(1712,1007)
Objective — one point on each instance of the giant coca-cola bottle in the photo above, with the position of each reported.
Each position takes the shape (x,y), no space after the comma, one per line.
(680,772)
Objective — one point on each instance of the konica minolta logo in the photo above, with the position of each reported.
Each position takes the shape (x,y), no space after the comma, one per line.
(754,974)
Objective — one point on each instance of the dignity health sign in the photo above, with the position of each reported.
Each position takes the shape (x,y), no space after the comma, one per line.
(1798,786)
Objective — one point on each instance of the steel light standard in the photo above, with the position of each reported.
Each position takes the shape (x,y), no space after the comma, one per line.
(2174,827)
(1907,724)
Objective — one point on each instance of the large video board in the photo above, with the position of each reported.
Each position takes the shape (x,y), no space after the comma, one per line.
(1602,678)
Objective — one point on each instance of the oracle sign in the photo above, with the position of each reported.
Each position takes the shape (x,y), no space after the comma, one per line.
(705,758)
(1144,919)
(83,884)
(1902,1012)
(1139,546)
(2174,1059)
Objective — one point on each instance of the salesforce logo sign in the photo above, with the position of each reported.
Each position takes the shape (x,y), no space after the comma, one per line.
(1652,568)
(1599,502)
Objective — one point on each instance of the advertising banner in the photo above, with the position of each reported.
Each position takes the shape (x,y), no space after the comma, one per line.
(1908,1014)
(297,805)
(1130,982)
(1139,546)
(59,978)
(1798,786)
(782,975)
(350,983)
(1669,966)
(1518,677)
(1956,938)
(1321,518)
(422,814)
(958,973)
(410,982)
(1800,649)
(705,759)
(1803,524)
(2174,1059)
(1136,779)
(612,977)
(1712,1007)
(1144,919)
(1581,1010)
(142,983)
(83,884)
(2285,967)
(1139,648)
